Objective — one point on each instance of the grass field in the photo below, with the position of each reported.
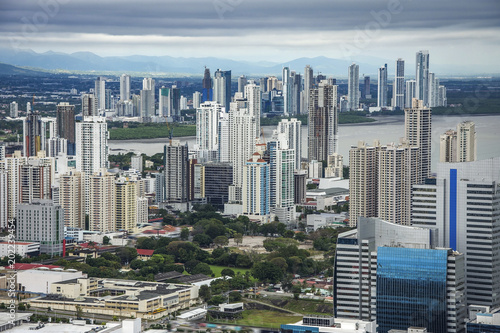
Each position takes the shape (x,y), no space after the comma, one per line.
(264,318)
(218,269)
(150,131)
(303,306)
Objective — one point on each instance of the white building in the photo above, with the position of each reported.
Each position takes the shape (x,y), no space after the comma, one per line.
(100,94)
(136,162)
(207,128)
(4,198)
(382,87)
(196,99)
(41,221)
(398,88)
(255,187)
(40,280)
(124,87)
(253,97)
(410,93)
(21,248)
(14,111)
(293,132)
(102,201)
(418,133)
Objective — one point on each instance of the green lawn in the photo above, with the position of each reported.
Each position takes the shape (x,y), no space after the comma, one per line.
(150,131)
(264,318)
(218,269)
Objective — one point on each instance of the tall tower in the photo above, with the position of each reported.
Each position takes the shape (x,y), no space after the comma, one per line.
(89,105)
(66,124)
(176,172)
(308,84)
(126,204)
(222,87)
(323,122)
(382,87)
(398,89)
(255,191)
(366,88)
(285,79)
(124,87)
(100,93)
(207,128)
(13,110)
(410,92)
(353,86)
(32,134)
(293,132)
(207,92)
(422,77)
(4,202)
(466,141)
(253,96)
(71,198)
(418,134)
(102,201)
(242,82)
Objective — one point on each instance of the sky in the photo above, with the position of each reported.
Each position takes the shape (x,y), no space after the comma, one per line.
(455,32)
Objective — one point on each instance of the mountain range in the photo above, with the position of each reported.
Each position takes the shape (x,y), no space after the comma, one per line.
(158,65)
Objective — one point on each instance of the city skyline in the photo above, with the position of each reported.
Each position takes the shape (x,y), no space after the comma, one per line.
(259,31)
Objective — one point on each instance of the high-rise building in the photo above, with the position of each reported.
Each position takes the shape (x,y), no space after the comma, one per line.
(91,149)
(100,93)
(196,99)
(124,87)
(323,122)
(272,83)
(222,87)
(35,179)
(353,86)
(398,89)
(176,172)
(466,197)
(207,92)
(136,162)
(442,99)
(293,132)
(126,204)
(242,82)
(253,97)
(335,166)
(397,276)
(215,179)
(466,142)
(12,166)
(263,84)
(224,138)
(255,187)
(410,93)
(207,129)
(398,171)
(308,85)
(33,134)
(102,201)
(285,79)
(366,88)
(418,134)
(363,181)
(66,124)
(448,147)
(14,111)
(433,90)
(300,179)
(147,104)
(43,222)
(4,195)
(71,198)
(89,105)
(382,87)
(422,77)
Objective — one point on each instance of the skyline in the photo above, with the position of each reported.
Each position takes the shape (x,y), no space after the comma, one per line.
(464,36)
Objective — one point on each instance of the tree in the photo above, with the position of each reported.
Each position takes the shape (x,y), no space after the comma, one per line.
(184,234)
(238,238)
(227,272)
(266,272)
(279,262)
(202,268)
(205,293)
(234,296)
(203,239)
(79,312)
(300,236)
(221,241)
(105,240)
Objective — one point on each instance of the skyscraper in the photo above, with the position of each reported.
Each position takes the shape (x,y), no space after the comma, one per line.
(448,147)
(66,124)
(433,90)
(176,172)
(466,141)
(418,133)
(4,202)
(100,93)
(206,92)
(33,134)
(126,204)
(398,89)
(102,201)
(253,97)
(353,87)
(366,88)
(323,122)
(422,77)
(285,79)
(13,110)
(242,82)
(35,179)
(410,93)
(207,129)
(255,187)
(382,87)
(89,105)
(71,198)
(308,84)
(222,87)
(293,132)
(196,99)
(124,87)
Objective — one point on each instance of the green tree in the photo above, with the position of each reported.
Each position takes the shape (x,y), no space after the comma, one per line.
(203,239)
(202,268)
(105,240)
(205,293)
(79,311)
(221,241)
(265,272)
(238,238)
(184,234)
(227,272)
(234,296)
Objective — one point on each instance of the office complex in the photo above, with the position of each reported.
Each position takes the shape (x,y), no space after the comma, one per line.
(214,182)
(323,122)
(41,221)
(353,87)
(366,88)
(382,87)
(398,88)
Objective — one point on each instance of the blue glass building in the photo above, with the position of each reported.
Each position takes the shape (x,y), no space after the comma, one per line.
(411,289)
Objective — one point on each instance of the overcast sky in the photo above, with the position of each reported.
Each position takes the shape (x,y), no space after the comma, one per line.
(454,31)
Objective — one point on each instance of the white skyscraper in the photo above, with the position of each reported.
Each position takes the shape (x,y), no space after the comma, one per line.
(293,131)
(222,87)
(4,202)
(224,137)
(285,79)
(207,129)
(124,87)
(433,90)
(353,87)
(466,142)
(308,84)
(196,99)
(418,132)
(91,148)
(253,96)
(242,82)
(100,93)
(71,198)
(13,110)
(398,89)
(422,77)
(102,201)
(382,87)
(255,186)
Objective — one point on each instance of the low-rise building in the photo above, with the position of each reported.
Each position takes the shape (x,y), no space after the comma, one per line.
(24,249)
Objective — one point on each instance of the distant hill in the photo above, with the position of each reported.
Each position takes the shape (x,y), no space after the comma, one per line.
(6,69)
